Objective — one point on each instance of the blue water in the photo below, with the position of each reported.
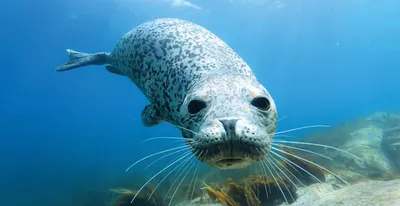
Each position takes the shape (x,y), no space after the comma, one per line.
(67,135)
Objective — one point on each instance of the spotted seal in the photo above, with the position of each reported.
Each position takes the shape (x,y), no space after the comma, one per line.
(196,82)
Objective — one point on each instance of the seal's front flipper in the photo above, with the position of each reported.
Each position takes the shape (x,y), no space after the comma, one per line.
(151,116)
(114,70)
(78,59)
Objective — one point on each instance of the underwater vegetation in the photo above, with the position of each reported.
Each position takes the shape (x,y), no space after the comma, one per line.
(260,190)
(253,190)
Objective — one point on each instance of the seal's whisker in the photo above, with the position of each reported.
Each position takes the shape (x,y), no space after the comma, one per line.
(168,166)
(164,156)
(280,164)
(282,135)
(186,129)
(157,153)
(180,174)
(290,165)
(300,128)
(279,186)
(284,173)
(279,176)
(263,171)
(156,138)
(266,175)
(180,183)
(318,145)
(289,161)
(184,140)
(315,164)
(304,150)
(194,174)
(162,180)
(195,181)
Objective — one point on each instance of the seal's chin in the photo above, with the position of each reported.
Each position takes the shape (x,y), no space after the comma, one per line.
(232,163)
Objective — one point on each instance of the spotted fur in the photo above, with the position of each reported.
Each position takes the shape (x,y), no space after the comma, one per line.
(173,62)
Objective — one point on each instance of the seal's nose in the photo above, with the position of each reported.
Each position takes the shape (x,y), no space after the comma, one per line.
(229,126)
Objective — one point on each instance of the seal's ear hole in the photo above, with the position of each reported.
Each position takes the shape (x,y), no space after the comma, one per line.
(195,106)
(261,103)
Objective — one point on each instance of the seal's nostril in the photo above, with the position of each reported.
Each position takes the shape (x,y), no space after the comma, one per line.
(229,126)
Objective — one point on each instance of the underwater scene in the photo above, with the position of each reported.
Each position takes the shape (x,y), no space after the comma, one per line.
(200,103)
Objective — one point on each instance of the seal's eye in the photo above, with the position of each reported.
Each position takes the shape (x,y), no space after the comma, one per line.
(195,106)
(261,103)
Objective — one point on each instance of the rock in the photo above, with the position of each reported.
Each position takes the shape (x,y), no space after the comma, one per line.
(363,193)
(370,138)
(391,146)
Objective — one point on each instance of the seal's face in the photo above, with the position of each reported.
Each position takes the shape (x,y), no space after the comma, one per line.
(231,119)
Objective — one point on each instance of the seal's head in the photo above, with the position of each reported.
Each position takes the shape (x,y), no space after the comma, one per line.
(231,118)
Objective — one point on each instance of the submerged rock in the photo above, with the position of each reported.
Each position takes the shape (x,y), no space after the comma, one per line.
(391,146)
(374,139)
(363,193)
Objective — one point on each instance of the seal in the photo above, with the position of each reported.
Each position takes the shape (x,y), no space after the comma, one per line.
(196,82)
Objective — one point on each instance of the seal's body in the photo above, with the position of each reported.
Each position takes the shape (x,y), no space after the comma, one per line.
(198,83)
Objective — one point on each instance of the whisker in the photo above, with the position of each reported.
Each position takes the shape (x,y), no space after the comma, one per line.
(180,174)
(284,184)
(188,153)
(300,128)
(162,180)
(317,165)
(156,138)
(279,186)
(290,165)
(273,158)
(162,157)
(180,183)
(265,172)
(282,135)
(195,182)
(318,145)
(161,152)
(194,174)
(287,160)
(304,150)
(183,140)
(273,163)
(186,129)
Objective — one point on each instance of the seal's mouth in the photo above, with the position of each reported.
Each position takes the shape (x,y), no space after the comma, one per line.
(230,161)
